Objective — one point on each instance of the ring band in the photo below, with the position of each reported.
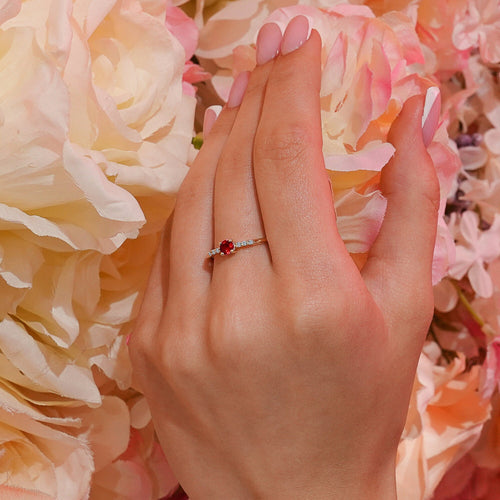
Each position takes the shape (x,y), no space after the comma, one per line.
(227,247)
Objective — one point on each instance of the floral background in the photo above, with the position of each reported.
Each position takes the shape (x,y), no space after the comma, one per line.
(101,103)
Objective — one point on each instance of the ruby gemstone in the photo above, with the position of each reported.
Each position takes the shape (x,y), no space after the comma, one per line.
(226,247)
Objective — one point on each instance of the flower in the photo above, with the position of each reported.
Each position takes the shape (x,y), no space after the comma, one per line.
(141,470)
(38,461)
(479,25)
(476,475)
(475,248)
(185,30)
(96,136)
(444,421)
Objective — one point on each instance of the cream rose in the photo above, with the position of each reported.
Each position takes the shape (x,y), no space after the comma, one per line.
(96,135)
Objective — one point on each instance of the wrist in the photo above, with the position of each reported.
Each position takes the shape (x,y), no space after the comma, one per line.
(342,483)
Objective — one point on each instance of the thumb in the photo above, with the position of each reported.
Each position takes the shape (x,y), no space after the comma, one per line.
(398,271)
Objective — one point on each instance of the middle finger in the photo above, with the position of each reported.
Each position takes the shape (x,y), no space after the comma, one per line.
(236,207)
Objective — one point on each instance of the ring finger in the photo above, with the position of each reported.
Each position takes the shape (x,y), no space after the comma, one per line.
(236,207)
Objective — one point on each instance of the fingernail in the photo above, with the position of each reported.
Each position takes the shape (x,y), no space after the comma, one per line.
(268,42)
(296,34)
(211,114)
(430,115)
(238,90)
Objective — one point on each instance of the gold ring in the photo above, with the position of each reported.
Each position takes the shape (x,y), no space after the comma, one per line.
(228,247)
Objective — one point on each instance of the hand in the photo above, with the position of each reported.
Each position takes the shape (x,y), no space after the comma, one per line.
(282,371)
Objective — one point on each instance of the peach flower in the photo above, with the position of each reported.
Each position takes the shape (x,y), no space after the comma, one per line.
(141,469)
(445,419)
(476,475)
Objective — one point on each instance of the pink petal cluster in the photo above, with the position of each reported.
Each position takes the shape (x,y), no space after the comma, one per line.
(185,30)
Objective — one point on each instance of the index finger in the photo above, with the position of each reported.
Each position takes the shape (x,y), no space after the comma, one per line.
(292,184)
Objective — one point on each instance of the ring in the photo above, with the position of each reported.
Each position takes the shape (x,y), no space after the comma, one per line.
(227,247)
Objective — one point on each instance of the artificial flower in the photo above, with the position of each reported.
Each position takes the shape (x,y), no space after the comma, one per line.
(474,250)
(96,136)
(479,26)
(445,419)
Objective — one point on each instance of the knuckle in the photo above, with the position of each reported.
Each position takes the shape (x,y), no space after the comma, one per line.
(139,349)
(315,309)
(230,334)
(256,88)
(413,308)
(180,359)
(141,340)
(189,192)
(431,188)
(289,144)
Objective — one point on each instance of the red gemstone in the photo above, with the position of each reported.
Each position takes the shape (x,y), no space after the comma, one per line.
(226,247)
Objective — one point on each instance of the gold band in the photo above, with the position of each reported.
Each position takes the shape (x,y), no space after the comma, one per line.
(227,247)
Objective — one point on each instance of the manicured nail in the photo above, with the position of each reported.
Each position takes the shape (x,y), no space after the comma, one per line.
(430,115)
(296,34)
(268,42)
(238,89)
(211,114)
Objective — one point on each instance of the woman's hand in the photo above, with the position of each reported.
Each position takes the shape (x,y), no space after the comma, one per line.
(282,371)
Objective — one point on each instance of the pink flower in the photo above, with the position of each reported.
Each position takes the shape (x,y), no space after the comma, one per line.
(479,25)
(185,30)
(141,472)
(475,248)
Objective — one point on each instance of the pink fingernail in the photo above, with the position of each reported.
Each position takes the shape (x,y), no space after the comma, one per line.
(296,34)
(268,42)
(238,90)
(430,115)
(211,114)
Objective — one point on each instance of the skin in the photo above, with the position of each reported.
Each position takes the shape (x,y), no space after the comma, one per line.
(283,371)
